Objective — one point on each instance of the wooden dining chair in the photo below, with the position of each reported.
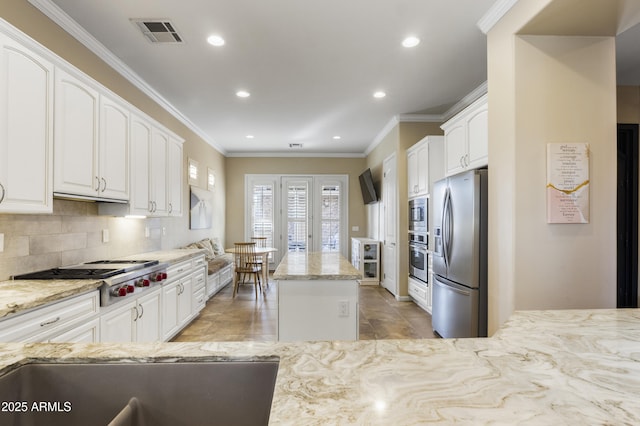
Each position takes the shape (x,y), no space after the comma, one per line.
(245,256)
(262,243)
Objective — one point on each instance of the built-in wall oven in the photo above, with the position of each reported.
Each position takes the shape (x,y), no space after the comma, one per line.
(418,256)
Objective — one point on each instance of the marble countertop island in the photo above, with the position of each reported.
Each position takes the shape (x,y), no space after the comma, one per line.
(315,266)
(543,368)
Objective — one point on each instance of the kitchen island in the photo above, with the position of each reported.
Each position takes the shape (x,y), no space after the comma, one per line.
(317,297)
(543,367)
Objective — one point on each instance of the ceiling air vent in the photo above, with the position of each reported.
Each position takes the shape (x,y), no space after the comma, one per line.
(295,145)
(158,30)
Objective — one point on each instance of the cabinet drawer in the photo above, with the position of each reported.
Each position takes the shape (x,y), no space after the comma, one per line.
(49,317)
(88,332)
(417,291)
(199,299)
(179,269)
(199,280)
(199,262)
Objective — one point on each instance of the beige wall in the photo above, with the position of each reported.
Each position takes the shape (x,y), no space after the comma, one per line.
(29,20)
(401,137)
(546,89)
(238,167)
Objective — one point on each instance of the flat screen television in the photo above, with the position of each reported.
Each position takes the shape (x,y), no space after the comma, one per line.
(369,194)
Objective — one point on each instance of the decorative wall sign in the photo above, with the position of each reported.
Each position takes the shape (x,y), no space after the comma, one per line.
(568,183)
(201,208)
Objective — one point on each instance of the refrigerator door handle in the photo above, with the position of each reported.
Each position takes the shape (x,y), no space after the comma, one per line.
(446,226)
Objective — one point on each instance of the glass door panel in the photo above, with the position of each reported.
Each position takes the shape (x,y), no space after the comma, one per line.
(296,212)
(330,217)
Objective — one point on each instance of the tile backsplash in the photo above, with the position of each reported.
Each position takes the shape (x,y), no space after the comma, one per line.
(72,234)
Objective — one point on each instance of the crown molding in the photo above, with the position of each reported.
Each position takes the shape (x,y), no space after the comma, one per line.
(470,98)
(57,15)
(298,154)
(494,14)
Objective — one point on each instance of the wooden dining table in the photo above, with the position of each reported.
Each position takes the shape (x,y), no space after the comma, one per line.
(263,252)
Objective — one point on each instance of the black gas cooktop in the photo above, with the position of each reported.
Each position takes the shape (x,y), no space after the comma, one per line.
(69,274)
(99,269)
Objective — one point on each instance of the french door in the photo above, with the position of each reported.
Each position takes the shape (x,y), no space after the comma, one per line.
(298,213)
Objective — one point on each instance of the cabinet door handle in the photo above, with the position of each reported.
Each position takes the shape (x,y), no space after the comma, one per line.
(466,160)
(97,188)
(105,184)
(53,321)
(170,208)
(3,191)
(135,318)
(141,311)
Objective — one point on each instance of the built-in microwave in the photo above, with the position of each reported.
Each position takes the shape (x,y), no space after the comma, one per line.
(418,214)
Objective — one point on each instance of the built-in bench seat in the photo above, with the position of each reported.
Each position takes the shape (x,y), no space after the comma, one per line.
(219,264)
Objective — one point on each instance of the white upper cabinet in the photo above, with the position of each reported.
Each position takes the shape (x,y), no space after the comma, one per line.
(64,134)
(26,130)
(175,162)
(418,169)
(91,142)
(159,172)
(156,172)
(424,165)
(140,201)
(76,137)
(113,158)
(467,138)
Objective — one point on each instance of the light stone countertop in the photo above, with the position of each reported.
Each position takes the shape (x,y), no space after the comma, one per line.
(543,368)
(315,266)
(18,296)
(22,295)
(167,256)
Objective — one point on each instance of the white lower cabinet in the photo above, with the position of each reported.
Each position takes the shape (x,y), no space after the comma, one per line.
(218,280)
(135,321)
(53,322)
(88,332)
(177,298)
(420,292)
(199,289)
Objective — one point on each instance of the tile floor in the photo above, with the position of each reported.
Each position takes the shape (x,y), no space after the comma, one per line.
(244,318)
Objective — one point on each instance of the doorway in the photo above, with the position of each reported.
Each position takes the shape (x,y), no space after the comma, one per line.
(298,213)
(627,217)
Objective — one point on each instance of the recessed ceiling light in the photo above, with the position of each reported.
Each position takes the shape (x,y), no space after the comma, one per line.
(411,41)
(250,136)
(379,94)
(336,137)
(215,40)
(243,94)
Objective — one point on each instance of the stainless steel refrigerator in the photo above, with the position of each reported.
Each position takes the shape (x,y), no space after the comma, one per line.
(459,304)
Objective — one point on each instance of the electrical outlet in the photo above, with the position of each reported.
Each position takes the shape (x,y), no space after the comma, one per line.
(343,308)
(1,243)
(105,235)
(355,228)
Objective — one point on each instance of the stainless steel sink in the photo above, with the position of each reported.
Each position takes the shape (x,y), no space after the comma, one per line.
(178,393)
